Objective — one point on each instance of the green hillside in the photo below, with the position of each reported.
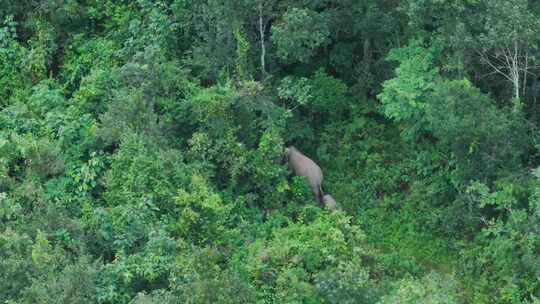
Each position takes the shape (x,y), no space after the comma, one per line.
(142,151)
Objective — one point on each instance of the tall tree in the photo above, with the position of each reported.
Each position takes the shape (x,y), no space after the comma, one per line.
(507,42)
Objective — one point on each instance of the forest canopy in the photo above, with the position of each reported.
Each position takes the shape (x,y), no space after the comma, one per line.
(143,151)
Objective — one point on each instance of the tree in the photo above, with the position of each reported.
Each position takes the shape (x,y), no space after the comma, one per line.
(507,41)
(434,288)
(405,96)
(12,57)
(483,138)
(299,34)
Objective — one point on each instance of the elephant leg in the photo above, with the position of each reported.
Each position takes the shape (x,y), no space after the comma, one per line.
(317,191)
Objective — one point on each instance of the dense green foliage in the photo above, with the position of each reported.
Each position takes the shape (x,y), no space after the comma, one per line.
(142,151)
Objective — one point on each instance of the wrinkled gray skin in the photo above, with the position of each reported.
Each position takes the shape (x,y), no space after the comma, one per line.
(329,202)
(302,165)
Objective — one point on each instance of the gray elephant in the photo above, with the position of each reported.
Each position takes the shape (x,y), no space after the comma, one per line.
(329,202)
(302,165)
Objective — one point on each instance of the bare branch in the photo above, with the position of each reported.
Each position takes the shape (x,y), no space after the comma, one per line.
(488,74)
(499,71)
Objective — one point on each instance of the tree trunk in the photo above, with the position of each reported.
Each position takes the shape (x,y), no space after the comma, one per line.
(263,47)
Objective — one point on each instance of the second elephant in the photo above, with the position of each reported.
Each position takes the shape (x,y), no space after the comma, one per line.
(329,202)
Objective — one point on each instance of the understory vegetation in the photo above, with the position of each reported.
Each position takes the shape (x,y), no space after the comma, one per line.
(142,151)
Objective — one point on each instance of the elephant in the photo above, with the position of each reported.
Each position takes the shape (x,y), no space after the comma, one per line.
(302,165)
(329,202)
